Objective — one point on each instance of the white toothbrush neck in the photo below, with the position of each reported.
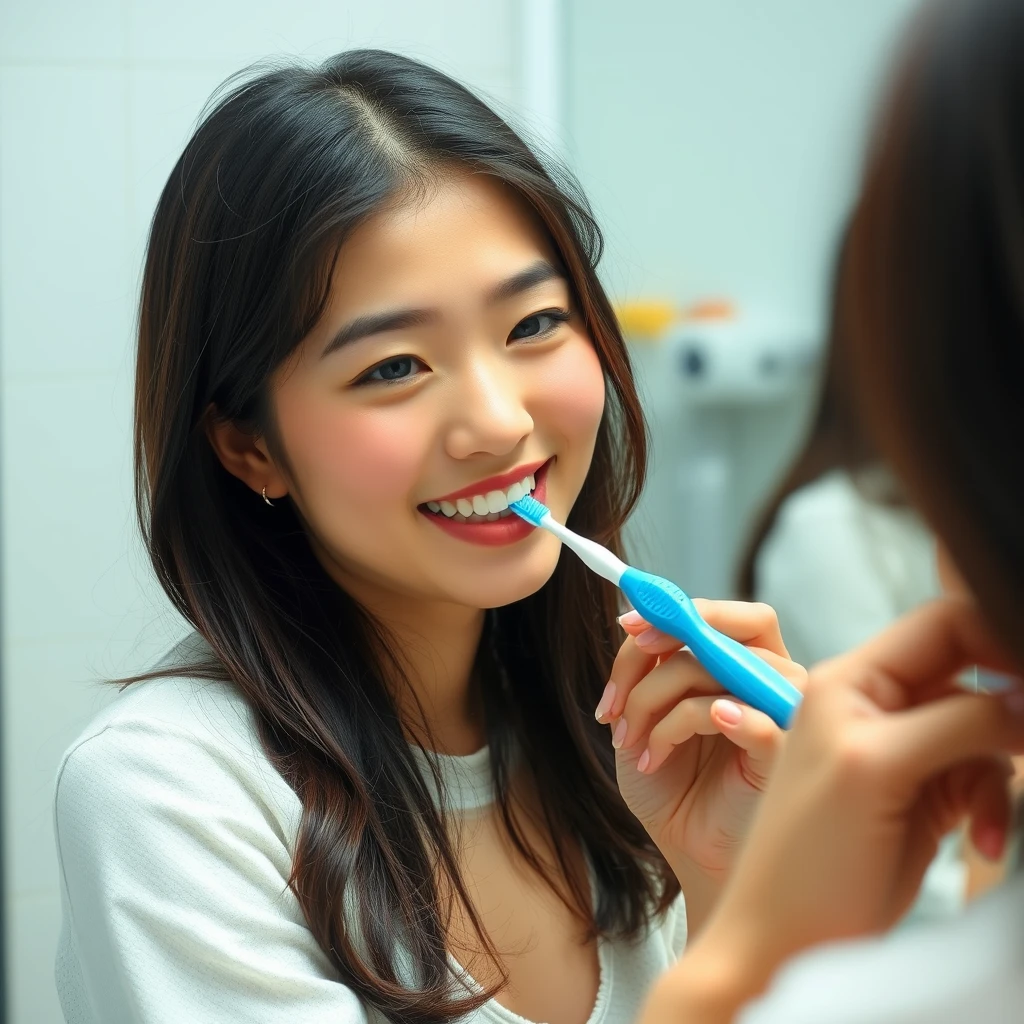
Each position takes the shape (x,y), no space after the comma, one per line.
(596,557)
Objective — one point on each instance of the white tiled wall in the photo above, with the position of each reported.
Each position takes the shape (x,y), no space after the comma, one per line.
(96,100)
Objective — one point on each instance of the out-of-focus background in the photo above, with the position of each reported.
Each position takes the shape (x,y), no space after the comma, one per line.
(719,140)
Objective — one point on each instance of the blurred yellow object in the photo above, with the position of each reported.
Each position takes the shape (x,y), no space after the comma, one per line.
(646,321)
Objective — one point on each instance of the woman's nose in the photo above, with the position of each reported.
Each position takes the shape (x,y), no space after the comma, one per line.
(489,414)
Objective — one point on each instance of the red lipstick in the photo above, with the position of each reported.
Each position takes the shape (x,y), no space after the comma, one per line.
(499,531)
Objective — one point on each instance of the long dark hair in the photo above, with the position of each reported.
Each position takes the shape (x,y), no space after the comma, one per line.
(836,439)
(933,292)
(241,251)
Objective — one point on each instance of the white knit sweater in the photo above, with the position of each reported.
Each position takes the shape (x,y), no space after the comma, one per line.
(175,838)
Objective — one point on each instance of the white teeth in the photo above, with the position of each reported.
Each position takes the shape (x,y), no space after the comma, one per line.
(496,501)
(489,506)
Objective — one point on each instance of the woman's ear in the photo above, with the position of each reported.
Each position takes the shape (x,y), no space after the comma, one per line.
(245,456)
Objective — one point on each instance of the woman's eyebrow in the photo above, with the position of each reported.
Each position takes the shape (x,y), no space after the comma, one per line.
(378,323)
(400,319)
(535,274)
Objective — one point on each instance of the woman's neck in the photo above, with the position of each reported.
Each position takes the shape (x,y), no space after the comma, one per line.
(438,647)
(436,644)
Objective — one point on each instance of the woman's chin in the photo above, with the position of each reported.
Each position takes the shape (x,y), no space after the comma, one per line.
(513,583)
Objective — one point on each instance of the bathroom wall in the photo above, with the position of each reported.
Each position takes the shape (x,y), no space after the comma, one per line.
(720,142)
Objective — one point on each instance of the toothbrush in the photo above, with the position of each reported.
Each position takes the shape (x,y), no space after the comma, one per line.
(666,607)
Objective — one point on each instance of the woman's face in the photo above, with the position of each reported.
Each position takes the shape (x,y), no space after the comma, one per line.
(449,367)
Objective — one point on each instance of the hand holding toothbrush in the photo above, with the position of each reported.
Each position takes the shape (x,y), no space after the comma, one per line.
(690,765)
(690,773)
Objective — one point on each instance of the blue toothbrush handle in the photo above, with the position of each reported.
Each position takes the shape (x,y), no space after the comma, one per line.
(736,668)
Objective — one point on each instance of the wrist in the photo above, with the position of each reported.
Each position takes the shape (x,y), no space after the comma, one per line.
(701,890)
(710,984)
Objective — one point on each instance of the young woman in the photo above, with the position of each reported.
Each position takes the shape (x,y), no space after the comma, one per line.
(886,753)
(371,786)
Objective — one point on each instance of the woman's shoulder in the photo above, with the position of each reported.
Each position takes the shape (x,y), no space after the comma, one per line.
(834,493)
(178,703)
(170,729)
(967,968)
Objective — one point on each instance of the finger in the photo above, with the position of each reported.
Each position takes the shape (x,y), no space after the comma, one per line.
(988,803)
(687,719)
(932,643)
(653,641)
(677,677)
(948,798)
(631,664)
(930,738)
(749,729)
(753,732)
(752,623)
(633,622)
(749,622)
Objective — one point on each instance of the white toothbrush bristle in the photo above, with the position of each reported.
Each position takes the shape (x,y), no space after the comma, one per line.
(596,557)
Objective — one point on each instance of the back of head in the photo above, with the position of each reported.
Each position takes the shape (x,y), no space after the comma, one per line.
(933,291)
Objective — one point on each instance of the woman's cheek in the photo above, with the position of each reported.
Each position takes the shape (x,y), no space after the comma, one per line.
(366,458)
(571,391)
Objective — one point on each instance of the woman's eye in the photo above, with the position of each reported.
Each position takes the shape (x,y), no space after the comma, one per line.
(398,369)
(539,325)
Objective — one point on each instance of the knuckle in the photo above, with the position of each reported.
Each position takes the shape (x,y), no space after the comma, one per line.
(855,756)
(817,684)
(766,731)
(638,704)
(765,613)
(661,735)
(798,676)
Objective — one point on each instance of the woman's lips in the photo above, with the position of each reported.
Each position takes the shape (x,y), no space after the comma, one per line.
(500,531)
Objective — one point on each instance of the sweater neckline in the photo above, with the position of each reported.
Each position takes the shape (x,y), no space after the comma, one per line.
(466,781)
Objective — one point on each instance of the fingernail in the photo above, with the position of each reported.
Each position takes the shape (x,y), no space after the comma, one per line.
(645,760)
(620,733)
(728,712)
(990,843)
(607,700)
(648,638)
(631,618)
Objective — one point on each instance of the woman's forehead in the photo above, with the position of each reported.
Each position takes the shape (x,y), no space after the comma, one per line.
(467,227)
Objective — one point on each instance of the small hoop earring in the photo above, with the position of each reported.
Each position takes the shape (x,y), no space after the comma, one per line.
(266,499)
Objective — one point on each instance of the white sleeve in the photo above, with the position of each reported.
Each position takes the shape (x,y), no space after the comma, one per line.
(680,932)
(175,868)
(965,969)
(821,578)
